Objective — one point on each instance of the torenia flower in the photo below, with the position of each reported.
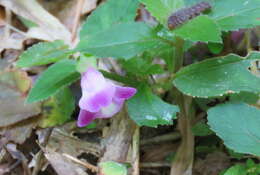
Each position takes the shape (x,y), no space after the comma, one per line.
(100,97)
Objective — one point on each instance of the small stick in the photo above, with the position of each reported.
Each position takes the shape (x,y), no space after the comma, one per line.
(76,19)
(154,164)
(161,138)
(136,151)
(8,17)
(93,168)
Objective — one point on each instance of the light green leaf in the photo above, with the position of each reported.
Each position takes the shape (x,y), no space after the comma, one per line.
(28,23)
(107,15)
(92,125)
(201,28)
(112,168)
(44,53)
(162,9)
(57,109)
(51,80)
(218,76)
(236,170)
(85,62)
(146,109)
(121,40)
(238,125)
(236,14)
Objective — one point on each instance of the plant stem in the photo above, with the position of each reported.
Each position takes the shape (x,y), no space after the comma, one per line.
(182,165)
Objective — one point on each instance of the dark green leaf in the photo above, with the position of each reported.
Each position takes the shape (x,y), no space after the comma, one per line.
(44,53)
(146,109)
(247,97)
(201,129)
(234,154)
(120,40)
(107,15)
(238,125)
(215,48)
(218,76)
(236,14)
(162,9)
(141,67)
(51,80)
(198,29)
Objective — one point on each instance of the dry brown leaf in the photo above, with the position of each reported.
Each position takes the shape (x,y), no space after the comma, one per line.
(16,154)
(65,12)
(13,86)
(13,41)
(213,164)
(88,6)
(2,16)
(63,142)
(18,133)
(47,23)
(61,164)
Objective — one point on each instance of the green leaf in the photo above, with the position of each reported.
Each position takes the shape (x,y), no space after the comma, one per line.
(234,154)
(162,9)
(107,15)
(44,53)
(85,62)
(28,23)
(201,129)
(92,125)
(146,109)
(247,97)
(215,48)
(112,168)
(142,67)
(236,170)
(236,14)
(120,40)
(58,109)
(218,76)
(238,125)
(51,80)
(198,29)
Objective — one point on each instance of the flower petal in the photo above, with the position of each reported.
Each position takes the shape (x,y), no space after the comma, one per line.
(85,117)
(94,102)
(111,110)
(97,92)
(92,80)
(124,92)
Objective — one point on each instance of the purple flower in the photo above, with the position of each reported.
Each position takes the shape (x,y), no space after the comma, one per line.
(100,97)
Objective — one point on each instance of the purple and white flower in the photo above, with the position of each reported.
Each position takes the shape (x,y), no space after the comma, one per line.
(101,98)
